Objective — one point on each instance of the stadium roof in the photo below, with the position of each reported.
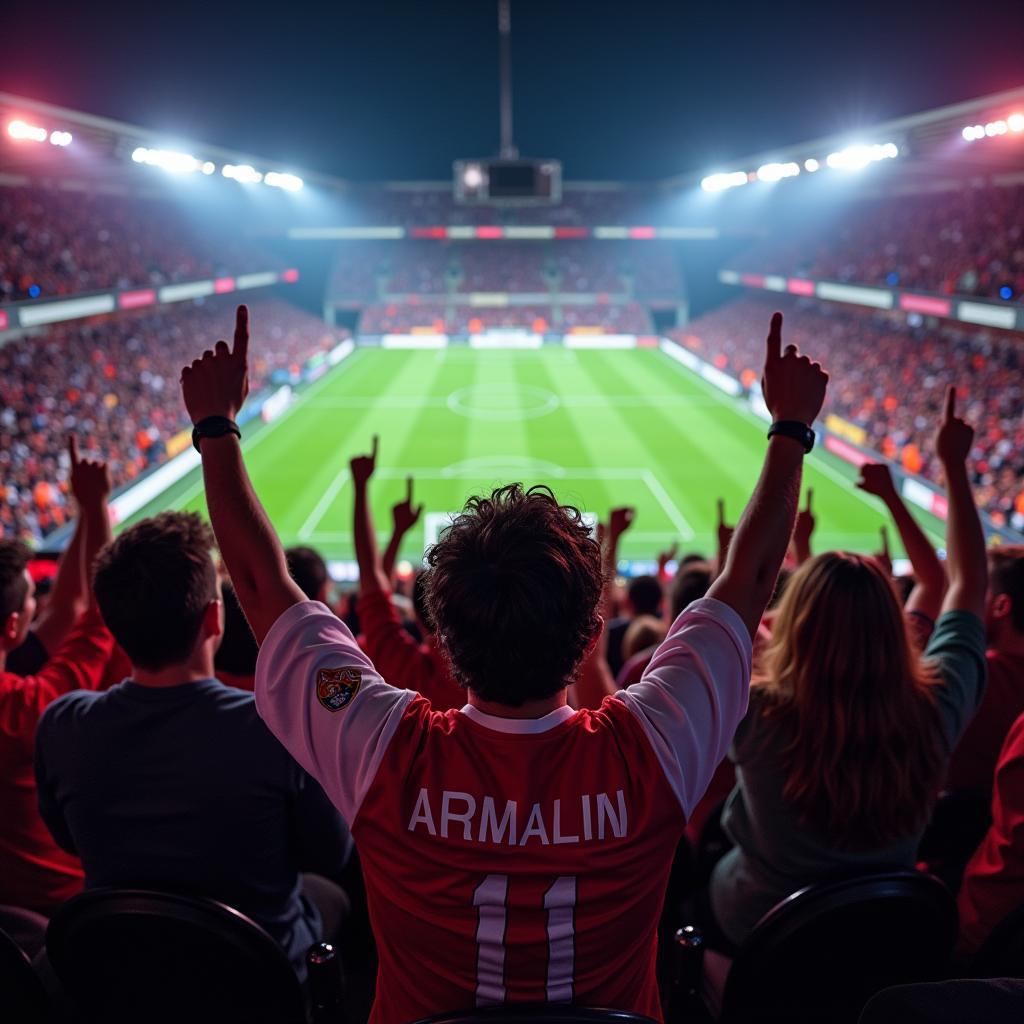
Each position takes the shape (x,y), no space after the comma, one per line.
(928,142)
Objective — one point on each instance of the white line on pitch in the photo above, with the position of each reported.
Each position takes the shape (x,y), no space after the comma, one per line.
(325,502)
(676,517)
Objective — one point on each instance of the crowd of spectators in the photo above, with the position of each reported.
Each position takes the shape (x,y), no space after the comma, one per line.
(113,380)
(889,382)
(433,268)
(968,241)
(59,243)
(741,672)
(403,318)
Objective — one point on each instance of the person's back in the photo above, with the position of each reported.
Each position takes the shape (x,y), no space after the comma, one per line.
(842,751)
(463,914)
(170,780)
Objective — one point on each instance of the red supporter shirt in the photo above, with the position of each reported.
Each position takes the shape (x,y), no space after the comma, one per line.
(402,661)
(509,860)
(973,764)
(993,883)
(34,871)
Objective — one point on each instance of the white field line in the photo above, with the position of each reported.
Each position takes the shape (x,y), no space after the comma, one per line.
(564,401)
(676,517)
(814,458)
(494,466)
(325,502)
(247,446)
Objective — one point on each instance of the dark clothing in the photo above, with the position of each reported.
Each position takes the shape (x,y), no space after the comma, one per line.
(775,853)
(616,633)
(184,788)
(974,761)
(29,658)
(999,1001)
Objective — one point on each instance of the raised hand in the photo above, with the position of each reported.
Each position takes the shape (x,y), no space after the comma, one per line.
(876,478)
(724,530)
(620,521)
(884,557)
(804,525)
(217,383)
(955,436)
(404,515)
(90,478)
(793,386)
(664,557)
(362,466)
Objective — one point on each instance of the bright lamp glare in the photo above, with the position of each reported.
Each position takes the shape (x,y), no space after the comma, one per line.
(811,165)
(720,182)
(167,159)
(208,167)
(473,176)
(1016,122)
(775,172)
(281,179)
(60,138)
(856,158)
(244,173)
(28,132)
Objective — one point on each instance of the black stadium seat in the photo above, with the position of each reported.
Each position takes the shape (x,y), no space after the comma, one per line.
(823,952)
(537,1013)
(135,955)
(1002,955)
(21,993)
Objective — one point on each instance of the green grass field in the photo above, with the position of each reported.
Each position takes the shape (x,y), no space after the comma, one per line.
(602,428)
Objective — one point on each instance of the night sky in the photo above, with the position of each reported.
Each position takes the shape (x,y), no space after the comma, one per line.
(629,90)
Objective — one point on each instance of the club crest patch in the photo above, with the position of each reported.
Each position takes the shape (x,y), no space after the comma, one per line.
(335,687)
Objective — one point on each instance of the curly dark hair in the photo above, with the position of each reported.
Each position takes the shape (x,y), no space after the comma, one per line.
(154,583)
(1006,571)
(14,557)
(513,589)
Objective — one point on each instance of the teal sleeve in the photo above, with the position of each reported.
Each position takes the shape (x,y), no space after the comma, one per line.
(957,650)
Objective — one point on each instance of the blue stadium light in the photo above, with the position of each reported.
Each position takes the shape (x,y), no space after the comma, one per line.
(1006,292)
(34,291)
(776,172)
(244,173)
(720,182)
(167,159)
(282,179)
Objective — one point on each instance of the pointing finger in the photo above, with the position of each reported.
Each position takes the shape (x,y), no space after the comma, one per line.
(810,495)
(950,402)
(376,446)
(774,343)
(73,449)
(721,512)
(408,489)
(241,347)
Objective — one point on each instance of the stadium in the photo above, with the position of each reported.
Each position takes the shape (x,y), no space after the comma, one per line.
(725,606)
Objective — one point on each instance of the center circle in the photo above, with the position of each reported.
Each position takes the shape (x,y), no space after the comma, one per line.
(495,402)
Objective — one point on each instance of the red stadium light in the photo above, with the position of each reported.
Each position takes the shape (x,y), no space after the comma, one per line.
(137,299)
(24,132)
(489,231)
(290,276)
(431,232)
(572,232)
(641,232)
(223,285)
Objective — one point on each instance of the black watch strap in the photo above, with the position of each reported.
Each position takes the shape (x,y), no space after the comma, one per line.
(213,426)
(796,430)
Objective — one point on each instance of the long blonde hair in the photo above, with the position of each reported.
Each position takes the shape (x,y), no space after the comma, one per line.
(863,759)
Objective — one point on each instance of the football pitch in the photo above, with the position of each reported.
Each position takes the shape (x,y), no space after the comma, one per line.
(601,428)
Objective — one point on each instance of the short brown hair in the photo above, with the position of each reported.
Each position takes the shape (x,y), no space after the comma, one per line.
(1006,572)
(513,590)
(154,584)
(14,557)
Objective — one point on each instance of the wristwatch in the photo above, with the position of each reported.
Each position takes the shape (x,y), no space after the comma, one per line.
(213,426)
(796,430)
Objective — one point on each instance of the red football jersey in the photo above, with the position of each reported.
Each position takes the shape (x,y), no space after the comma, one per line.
(510,859)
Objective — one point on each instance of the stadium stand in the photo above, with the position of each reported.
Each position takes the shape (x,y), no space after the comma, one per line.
(59,243)
(114,380)
(889,382)
(968,241)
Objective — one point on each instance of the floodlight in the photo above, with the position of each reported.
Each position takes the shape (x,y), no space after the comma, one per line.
(473,176)
(244,173)
(26,132)
(720,182)
(59,138)
(282,179)
(811,165)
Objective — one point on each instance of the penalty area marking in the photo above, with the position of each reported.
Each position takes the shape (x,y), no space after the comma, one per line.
(513,465)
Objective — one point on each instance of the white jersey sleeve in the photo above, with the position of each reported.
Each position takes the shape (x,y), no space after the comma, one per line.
(694,694)
(322,698)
